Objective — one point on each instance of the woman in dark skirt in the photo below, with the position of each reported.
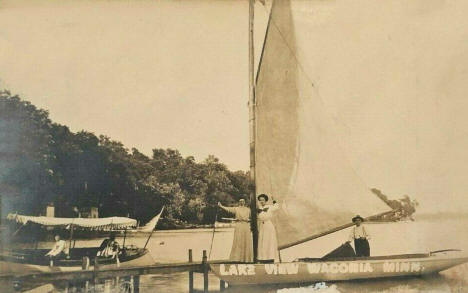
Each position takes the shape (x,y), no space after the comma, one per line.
(360,237)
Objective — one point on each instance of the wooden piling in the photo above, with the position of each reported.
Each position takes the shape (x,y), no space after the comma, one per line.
(222,285)
(17,285)
(96,263)
(190,274)
(70,246)
(85,266)
(96,267)
(107,286)
(205,272)
(85,263)
(136,284)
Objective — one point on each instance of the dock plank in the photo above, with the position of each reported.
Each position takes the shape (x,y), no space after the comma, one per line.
(105,273)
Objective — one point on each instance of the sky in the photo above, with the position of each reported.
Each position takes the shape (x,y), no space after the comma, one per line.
(393,76)
(151,74)
(174,74)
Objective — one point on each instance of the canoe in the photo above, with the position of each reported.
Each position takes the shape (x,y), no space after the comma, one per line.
(339,269)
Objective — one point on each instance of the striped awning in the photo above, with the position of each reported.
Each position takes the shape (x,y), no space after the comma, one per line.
(111,222)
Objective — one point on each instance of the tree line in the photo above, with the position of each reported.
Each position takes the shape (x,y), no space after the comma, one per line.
(43,162)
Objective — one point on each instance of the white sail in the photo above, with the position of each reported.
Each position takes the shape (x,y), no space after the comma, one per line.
(320,56)
(151,225)
(299,158)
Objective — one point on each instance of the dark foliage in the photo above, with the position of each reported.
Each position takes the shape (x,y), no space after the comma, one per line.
(403,208)
(42,162)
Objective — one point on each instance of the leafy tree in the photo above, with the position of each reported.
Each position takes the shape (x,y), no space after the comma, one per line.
(25,164)
(43,162)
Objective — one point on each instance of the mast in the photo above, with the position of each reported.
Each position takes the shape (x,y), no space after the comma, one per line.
(252,130)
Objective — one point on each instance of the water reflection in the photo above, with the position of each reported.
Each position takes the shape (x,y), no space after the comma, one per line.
(178,282)
(439,283)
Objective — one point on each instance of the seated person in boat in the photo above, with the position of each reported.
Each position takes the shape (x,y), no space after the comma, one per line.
(242,245)
(58,250)
(109,247)
(360,237)
(267,241)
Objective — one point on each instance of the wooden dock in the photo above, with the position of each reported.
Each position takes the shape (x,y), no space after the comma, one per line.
(96,274)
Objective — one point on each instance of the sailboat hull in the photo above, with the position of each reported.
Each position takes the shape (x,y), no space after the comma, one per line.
(14,263)
(336,270)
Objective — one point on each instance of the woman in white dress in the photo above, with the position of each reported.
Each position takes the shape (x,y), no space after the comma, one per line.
(267,241)
(242,245)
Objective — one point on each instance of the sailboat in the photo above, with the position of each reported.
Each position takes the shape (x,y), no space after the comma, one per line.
(296,156)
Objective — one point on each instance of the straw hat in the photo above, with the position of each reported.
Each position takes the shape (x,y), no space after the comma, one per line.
(356,218)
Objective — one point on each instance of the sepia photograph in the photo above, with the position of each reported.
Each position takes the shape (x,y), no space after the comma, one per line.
(264,146)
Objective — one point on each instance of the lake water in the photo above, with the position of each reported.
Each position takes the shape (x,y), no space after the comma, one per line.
(394,238)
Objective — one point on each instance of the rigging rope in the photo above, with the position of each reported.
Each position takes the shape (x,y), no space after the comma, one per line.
(214,229)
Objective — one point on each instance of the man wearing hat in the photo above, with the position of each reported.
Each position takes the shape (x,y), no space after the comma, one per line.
(360,236)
